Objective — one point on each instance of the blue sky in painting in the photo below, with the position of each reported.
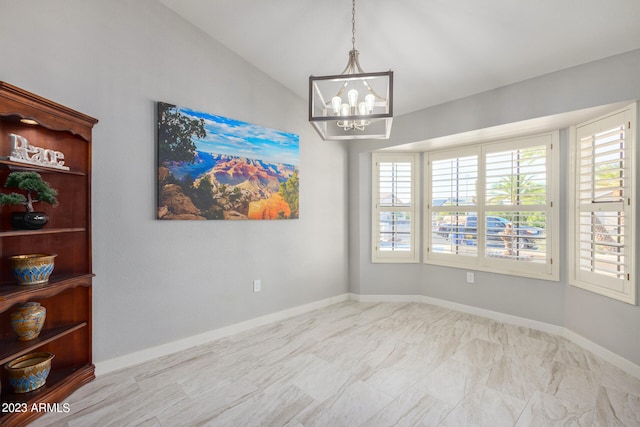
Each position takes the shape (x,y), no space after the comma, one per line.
(236,138)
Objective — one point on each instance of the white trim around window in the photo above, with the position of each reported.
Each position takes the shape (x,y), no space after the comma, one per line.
(494,207)
(395,219)
(603,205)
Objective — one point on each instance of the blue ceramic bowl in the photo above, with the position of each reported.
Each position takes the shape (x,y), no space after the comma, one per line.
(32,269)
(29,372)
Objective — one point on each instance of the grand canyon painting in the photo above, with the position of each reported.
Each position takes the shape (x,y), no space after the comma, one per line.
(213,167)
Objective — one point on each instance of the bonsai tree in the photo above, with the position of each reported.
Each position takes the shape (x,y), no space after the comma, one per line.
(35,188)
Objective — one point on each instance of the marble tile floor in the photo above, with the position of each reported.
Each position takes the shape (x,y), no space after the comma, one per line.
(366,364)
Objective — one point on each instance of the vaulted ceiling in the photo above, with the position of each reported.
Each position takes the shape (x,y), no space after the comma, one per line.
(439,50)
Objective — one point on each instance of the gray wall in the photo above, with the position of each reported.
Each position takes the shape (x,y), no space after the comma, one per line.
(161,281)
(606,322)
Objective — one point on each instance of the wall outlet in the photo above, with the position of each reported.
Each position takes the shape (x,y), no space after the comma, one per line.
(257,286)
(471,278)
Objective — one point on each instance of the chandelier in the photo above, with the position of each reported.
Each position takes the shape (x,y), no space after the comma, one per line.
(352,104)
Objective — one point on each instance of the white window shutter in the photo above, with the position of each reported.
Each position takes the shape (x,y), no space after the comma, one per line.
(394,236)
(603,250)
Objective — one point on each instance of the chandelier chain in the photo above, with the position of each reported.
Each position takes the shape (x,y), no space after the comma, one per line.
(353,24)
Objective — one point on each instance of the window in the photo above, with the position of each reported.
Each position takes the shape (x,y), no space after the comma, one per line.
(394,208)
(603,206)
(492,207)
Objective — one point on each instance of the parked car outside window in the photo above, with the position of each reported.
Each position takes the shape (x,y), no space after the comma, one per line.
(465,232)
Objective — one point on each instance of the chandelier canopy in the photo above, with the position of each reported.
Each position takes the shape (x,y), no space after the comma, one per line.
(352,104)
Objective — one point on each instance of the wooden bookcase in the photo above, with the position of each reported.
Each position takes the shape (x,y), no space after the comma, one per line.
(67,296)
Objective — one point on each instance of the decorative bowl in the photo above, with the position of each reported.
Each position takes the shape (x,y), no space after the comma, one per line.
(32,269)
(29,372)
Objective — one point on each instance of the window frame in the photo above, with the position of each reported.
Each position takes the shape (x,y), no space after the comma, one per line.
(545,271)
(593,281)
(400,256)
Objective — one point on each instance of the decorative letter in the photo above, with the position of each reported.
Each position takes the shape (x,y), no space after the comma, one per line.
(20,150)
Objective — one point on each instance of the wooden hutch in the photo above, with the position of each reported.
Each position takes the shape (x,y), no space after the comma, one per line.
(67,296)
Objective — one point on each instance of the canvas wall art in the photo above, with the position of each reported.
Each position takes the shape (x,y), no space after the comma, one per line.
(217,168)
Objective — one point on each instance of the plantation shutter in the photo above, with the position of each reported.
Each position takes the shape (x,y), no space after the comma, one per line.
(516,187)
(453,205)
(603,207)
(394,196)
(494,207)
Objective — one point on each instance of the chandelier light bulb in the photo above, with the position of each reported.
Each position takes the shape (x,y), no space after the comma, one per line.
(344,110)
(336,103)
(353,98)
(370,101)
(362,108)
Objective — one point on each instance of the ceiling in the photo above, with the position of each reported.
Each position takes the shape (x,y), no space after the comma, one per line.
(439,50)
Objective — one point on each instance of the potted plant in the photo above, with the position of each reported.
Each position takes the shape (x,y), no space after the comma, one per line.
(35,189)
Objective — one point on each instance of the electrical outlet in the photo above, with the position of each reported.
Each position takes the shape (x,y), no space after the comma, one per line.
(471,277)
(257,286)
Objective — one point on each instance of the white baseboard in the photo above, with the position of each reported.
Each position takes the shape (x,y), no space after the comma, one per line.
(495,315)
(146,355)
(603,353)
(498,316)
(152,353)
(387,298)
